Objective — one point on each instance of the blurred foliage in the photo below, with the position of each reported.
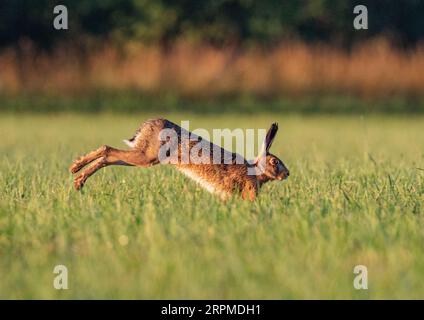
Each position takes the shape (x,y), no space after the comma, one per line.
(130,101)
(219,22)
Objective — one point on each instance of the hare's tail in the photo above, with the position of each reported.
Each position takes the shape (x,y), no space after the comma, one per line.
(147,131)
(129,142)
(132,141)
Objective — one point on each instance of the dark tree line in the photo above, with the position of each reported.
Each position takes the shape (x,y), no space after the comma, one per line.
(215,21)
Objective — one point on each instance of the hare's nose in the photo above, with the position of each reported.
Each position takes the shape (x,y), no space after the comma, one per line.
(288,173)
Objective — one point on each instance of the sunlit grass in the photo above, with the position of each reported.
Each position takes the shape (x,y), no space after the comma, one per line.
(354,196)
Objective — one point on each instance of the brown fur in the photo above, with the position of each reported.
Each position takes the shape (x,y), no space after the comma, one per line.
(224,179)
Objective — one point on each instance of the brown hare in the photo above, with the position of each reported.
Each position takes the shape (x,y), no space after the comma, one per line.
(231,174)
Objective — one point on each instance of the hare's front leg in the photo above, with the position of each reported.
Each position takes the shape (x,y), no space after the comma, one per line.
(250,191)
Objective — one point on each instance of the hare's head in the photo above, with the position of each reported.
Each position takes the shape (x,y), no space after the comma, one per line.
(269,166)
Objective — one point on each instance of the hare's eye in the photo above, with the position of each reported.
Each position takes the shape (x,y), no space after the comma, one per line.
(274,161)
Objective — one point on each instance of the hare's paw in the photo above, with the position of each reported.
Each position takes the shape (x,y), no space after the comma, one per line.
(77,165)
(80,181)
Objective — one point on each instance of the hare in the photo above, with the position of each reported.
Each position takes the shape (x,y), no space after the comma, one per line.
(232,175)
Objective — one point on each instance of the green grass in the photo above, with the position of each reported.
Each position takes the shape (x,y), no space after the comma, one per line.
(354,196)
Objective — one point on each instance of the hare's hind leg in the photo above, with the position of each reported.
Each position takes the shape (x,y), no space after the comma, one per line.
(82,178)
(110,156)
(82,161)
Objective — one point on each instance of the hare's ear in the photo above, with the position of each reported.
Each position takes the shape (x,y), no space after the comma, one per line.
(270,135)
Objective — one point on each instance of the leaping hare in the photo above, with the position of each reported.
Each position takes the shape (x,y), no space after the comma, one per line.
(223,178)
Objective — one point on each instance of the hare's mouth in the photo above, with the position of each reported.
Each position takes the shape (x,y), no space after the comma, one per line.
(282,177)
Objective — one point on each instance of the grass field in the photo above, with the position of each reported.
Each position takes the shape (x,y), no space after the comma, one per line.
(355,196)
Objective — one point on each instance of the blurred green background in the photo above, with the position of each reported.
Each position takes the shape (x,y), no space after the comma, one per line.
(239,55)
(218,21)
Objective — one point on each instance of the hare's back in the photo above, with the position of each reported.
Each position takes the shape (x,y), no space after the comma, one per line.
(147,135)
